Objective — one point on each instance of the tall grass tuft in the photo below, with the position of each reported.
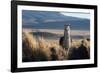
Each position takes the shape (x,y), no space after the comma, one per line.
(34,50)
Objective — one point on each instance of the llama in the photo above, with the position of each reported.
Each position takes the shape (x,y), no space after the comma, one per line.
(82,52)
(65,41)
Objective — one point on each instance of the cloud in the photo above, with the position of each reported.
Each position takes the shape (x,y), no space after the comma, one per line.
(79,15)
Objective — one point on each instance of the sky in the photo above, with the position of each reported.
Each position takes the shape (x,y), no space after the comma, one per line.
(79,15)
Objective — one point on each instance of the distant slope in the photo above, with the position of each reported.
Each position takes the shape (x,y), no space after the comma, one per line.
(52,20)
(56,36)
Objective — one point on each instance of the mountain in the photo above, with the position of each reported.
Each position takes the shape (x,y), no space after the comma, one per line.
(52,20)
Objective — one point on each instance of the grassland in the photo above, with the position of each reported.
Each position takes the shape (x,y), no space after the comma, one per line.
(38,48)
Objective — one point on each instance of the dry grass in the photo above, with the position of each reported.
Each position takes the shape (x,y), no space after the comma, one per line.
(40,49)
